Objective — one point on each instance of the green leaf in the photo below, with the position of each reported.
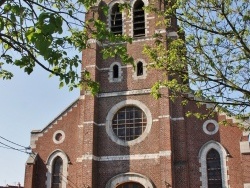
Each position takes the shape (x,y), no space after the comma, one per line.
(7,8)
(70,12)
(13,17)
(2,24)
(61,85)
(28,70)
(30,33)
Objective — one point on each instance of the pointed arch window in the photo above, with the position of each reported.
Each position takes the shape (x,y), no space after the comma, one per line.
(57,172)
(139,19)
(213,157)
(139,68)
(214,178)
(115,71)
(116,20)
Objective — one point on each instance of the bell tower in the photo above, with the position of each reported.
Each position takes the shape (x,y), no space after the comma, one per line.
(126,133)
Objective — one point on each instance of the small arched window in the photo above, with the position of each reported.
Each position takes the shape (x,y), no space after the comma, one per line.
(57,173)
(214,177)
(139,68)
(139,19)
(116,20)
(115,71)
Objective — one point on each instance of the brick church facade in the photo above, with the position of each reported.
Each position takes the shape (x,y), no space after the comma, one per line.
(123,138)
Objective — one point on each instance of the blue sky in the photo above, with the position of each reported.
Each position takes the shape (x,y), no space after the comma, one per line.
(28,102)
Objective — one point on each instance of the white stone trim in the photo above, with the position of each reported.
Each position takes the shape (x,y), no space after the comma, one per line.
(90,123)
(246,185)
(34,137)
(244,147)
(143,39)
(144,75)
(164,116)
(172,34)
(49,165)
(91,66)
(124,93)
(216,127)
(113,111)
(107,69)
(128,177)
(166,153)
(54,137)
(246,133)
(203,161)
(154,120)
(178,119)
(93,41)
(82,97)
(151,17)
(120,77)
(160,31)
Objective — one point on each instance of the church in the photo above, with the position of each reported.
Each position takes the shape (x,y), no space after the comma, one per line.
(123,137)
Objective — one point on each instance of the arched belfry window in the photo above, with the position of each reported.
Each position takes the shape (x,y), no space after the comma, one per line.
(116,20)
(57,172)
(139,19)
(214,179)
(139,68)
(115,71)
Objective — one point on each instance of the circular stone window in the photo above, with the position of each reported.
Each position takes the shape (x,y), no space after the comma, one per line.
(58,137)
(128,122)
(210,127)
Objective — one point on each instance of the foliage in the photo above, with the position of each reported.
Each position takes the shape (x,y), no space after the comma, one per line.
(46,33)
(214,56)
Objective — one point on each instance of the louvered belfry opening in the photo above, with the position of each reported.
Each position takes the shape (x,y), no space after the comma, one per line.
(214,169)
(139,19)
(116,20)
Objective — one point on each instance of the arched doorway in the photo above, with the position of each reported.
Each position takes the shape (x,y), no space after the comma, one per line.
(129,180)
(130,185)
